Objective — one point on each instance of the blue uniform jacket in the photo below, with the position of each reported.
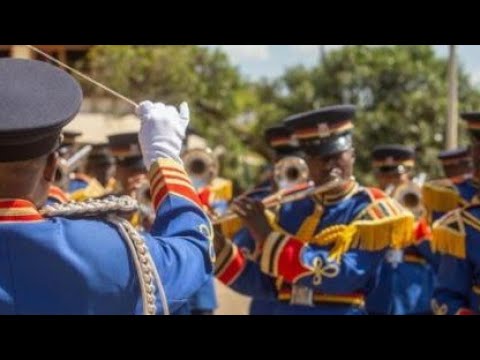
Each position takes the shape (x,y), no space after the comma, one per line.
(406,278)
(456,237)
(205,299)
(244,241)
(321,259)
(83,266)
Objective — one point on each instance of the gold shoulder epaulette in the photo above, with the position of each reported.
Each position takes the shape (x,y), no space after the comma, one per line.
(440,196)
(448,235)
(384,223)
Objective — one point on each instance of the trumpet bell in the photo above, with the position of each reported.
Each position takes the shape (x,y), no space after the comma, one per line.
(201,165)
(410,197)
(411,200)
(291,171)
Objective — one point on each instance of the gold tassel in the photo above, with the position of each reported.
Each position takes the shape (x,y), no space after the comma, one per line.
(330,235)
(395,232)
(440,199)
(368,235)
(448,241)
(346,237)
(402,232)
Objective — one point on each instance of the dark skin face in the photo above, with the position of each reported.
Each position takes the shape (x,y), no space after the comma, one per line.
(252,212)
(321,167)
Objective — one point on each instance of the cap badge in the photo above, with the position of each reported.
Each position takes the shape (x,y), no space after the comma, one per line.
(323,130)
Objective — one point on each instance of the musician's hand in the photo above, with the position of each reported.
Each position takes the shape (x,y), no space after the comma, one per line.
(162,131)
(252,212)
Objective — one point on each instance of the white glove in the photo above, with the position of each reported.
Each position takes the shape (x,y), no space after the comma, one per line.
(162,131)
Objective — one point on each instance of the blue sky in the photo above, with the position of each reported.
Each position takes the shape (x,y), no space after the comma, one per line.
(256,61)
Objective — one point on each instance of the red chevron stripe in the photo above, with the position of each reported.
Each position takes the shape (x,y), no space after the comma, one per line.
(21,218)
(233,268)
(175,189)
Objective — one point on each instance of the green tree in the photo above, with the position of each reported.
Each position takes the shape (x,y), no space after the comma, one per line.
(204,77)
(401,93)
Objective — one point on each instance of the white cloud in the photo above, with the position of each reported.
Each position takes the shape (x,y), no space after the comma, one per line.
(239,53)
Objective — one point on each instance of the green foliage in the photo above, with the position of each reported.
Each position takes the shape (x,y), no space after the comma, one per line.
(401,93)
(214,89)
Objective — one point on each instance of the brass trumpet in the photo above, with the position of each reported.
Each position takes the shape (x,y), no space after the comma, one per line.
(290,171)
(285,196)
(410,195)
(201,165)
